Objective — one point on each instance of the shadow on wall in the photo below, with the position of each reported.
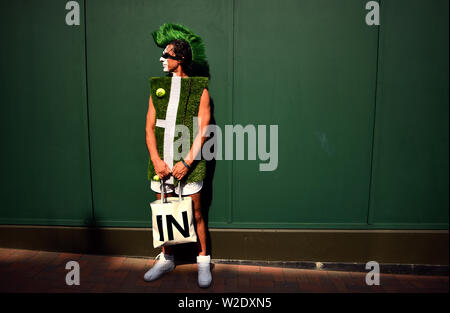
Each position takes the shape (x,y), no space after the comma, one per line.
(188,252)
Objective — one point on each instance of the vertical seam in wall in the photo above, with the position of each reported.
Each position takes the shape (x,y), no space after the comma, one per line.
(230,210)
(87,114)
(369,209)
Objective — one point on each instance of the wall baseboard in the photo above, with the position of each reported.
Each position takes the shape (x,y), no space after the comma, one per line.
(349,248)
(385,268)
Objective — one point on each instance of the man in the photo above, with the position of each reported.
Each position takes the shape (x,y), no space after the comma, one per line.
(192,95)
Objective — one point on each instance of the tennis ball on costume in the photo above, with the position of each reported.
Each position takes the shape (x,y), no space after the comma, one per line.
(160,92)
(156,178)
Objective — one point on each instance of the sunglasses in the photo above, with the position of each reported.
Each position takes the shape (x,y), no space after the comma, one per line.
(166,55)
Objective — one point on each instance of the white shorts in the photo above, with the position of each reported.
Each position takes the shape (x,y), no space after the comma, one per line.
(187,189)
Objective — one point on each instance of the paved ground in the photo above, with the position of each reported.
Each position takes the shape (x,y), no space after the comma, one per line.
(41,271)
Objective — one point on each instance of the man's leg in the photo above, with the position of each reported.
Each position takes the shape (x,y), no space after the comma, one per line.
(203,260)
(200,222)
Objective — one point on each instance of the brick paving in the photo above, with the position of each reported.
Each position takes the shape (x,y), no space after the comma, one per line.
(44,272)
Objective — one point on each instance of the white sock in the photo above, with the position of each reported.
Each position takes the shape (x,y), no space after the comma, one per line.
(204,259)
(204,271)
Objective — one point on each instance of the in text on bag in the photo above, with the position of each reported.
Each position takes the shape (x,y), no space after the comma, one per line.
(173,220)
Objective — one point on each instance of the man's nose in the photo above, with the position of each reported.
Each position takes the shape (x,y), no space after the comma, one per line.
(161,59)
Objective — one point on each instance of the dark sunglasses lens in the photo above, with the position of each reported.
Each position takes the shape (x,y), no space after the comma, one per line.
(168,56)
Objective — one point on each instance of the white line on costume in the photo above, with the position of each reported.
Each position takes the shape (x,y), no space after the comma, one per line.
(169,123)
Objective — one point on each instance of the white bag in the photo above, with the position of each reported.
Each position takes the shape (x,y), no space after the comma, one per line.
(172,220)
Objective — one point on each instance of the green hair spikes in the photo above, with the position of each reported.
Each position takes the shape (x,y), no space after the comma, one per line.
(168,32)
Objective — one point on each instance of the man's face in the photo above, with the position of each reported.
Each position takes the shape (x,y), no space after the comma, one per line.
(169,65)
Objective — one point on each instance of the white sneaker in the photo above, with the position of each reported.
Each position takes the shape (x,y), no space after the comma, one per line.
(164,265)
(204,271)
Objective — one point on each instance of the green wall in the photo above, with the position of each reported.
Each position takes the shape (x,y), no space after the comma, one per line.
(45,139)
(362,111)
(410,155)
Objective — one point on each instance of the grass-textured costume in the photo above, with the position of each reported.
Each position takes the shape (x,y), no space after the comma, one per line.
(176,101)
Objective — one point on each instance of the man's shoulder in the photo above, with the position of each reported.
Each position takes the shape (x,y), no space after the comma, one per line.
(201,82)
(160,82)
(200,78)
(168,78)
(198,81)
(160,79)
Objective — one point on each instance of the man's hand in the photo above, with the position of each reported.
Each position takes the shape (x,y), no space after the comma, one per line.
(179,170)
(161,168)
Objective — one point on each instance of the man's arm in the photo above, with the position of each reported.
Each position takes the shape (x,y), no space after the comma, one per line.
(204,115)
(150,132)
(161,168)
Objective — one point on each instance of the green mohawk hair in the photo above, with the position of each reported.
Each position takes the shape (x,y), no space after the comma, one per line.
(168,32)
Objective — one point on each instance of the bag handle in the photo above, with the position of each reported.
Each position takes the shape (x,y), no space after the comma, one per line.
(162,191)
